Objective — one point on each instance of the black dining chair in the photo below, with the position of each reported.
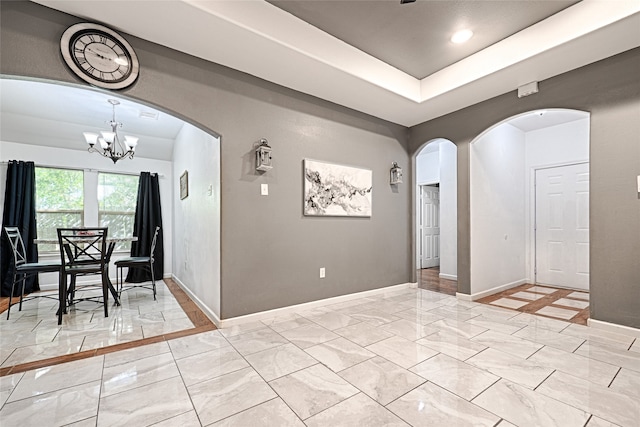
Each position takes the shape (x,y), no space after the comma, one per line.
(24,269)
(144,262)
(83,251)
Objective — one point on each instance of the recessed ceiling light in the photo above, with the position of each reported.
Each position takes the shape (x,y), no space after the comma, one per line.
(461,36)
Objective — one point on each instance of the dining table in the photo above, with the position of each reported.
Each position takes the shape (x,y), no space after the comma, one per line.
(112,242)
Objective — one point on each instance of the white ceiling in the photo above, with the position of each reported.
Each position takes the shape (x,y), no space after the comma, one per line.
(55,115)
(258,38)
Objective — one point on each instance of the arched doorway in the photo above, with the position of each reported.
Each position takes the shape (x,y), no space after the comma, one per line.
(436,216)
(529,186)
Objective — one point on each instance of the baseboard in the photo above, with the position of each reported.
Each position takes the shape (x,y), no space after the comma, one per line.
(448,276)
(478,295)
(253,317)
(614,327)
(205,309)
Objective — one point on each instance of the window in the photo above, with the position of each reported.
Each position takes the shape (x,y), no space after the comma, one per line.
(117,195)
(76,198)
(59,202)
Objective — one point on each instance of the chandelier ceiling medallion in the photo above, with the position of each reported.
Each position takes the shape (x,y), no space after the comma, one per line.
(108,143)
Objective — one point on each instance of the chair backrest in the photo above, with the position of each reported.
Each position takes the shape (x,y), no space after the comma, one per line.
(83,246)
(17,245)
(153,244)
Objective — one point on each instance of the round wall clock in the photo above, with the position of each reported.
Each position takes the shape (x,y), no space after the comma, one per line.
(99,56)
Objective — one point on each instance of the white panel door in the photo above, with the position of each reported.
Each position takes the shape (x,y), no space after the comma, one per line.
(562,226)
(430,226)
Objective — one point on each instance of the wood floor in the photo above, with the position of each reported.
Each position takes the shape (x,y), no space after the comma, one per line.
(200,321)
(429,279)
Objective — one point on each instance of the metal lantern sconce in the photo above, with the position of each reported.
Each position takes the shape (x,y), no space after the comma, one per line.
(395,174)
(263,156)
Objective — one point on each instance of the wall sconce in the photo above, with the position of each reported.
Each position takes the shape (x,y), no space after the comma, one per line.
(396,174)
(263,156)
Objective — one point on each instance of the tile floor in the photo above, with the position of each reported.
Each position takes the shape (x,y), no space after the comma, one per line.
(410,357)
(34,334)
(547,301)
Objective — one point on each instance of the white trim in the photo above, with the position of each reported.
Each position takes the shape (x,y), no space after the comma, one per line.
(613,327)
(206,310)
(448,276)
(253,317)
(478,295)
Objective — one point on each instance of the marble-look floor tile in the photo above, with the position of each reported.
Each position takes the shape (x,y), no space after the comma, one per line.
(599,422)
(281,326)
(494,313)
(312,390)
(145,405)
(495,325)
(406,329)
(402,352)
(153,330)
(420,316)
(339,354)
(52,378)
(622,358)
(44,351)
(374,317)
(582,367)
(107,338)
(198,343)
(138,373)
(510,367)
(524,407)
(333,320)
(599,336)
(432,405)
(308,336)
(600,401)
(87,422)
(566,302)
(28,337)
(363,334)
(507,343)
(358,410)
(211,364)
(509,303)
(136,353)
(454,313)
(627,382)
(271,413)
(579,295)
(550,338)
(532,296)
(560,313)
(458,377)
(636,346)
(229,394)
(61,406)
(253,342)
(526,319)
(463,329)
(451,344)
(188,419)
(7,384)
(279,361)
(242,328)
(381,380)
(541,289)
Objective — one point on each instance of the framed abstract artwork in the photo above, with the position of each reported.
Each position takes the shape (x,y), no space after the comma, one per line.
(336,190)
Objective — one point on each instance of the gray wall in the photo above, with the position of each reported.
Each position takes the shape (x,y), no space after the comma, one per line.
(610,91)
(271,253)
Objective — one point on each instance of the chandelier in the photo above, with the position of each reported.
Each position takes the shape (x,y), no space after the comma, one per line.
(108,143)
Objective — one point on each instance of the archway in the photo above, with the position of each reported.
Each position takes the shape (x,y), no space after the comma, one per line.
(529,204)
(436,216)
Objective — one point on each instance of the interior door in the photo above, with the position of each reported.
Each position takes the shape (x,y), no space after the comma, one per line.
(562,226)
(430,216)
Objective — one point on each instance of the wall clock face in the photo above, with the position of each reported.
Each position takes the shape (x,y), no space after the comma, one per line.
(99,56)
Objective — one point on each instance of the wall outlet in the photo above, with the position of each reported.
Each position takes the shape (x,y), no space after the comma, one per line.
(264,189)
(322,272)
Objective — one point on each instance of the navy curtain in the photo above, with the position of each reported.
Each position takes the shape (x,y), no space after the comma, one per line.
(148,216)
(19,211)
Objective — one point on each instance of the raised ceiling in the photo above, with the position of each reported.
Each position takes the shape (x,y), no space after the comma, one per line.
(414,37)
(258,38)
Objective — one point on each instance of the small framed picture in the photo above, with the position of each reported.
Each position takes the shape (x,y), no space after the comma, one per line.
(184,185)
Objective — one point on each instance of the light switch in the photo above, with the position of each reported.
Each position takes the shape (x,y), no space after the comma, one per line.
(638,183)
(264,189)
